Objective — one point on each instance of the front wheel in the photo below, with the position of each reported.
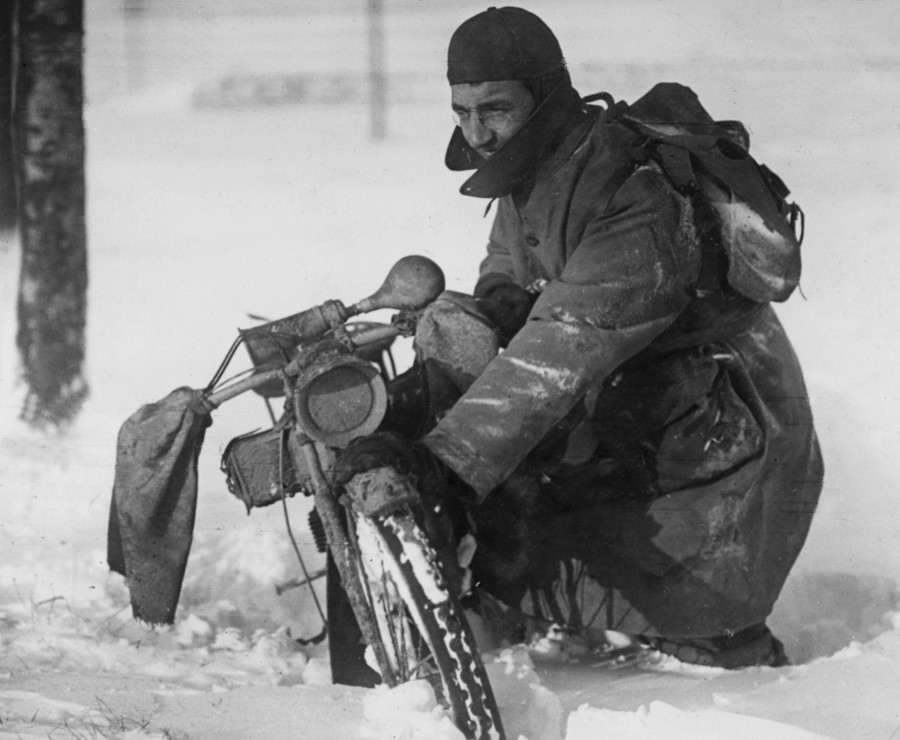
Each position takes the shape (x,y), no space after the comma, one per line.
(420,622)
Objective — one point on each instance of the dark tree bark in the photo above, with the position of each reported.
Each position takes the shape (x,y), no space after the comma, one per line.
(49,136)
(7,176)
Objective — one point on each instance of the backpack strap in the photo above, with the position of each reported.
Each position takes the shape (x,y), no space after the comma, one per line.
(676,161)
(616,180)
(604,96)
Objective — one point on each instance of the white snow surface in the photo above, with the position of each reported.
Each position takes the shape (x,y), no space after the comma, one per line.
(202,211)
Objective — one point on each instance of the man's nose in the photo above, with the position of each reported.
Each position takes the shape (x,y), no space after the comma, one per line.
(476,133)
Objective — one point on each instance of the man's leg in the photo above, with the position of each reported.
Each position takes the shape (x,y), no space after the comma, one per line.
(556,556)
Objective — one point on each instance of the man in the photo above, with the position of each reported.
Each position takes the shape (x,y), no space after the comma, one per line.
(641,455)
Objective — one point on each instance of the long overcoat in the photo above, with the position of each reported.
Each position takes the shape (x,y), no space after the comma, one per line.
(648,423)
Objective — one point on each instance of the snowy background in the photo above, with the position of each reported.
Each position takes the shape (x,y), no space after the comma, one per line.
(231,171)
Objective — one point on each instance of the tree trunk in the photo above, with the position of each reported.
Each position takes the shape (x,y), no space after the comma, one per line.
(49,136)
(7,177)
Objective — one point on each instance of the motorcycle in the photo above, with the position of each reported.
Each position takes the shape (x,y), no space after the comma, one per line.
(332,373)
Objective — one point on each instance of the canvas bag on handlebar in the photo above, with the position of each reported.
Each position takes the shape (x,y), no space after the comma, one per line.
(154,500)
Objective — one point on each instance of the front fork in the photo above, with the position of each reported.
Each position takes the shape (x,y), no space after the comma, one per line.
(308,456)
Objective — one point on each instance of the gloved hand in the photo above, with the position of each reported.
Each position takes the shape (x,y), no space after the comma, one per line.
(444,496)
(388,449)
(508,306)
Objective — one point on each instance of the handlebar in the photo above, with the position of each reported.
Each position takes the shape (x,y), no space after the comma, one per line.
(358,339)
(412,283)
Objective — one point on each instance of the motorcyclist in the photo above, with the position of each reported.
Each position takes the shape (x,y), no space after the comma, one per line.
(641,455)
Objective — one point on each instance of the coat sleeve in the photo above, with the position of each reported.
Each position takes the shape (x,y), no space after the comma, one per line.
(625,282)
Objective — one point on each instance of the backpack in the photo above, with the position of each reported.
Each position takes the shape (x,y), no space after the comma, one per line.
(709,161)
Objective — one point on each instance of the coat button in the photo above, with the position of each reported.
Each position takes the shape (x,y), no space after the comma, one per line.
(531,240)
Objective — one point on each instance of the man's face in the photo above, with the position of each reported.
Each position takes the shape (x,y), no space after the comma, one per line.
(489,113)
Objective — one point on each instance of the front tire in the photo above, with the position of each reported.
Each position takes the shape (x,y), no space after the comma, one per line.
(420,621)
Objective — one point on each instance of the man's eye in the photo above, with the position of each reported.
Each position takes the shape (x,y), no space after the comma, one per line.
(487,116)
(494,116)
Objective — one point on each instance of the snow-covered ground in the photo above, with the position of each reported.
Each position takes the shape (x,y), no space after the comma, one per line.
(231,172)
